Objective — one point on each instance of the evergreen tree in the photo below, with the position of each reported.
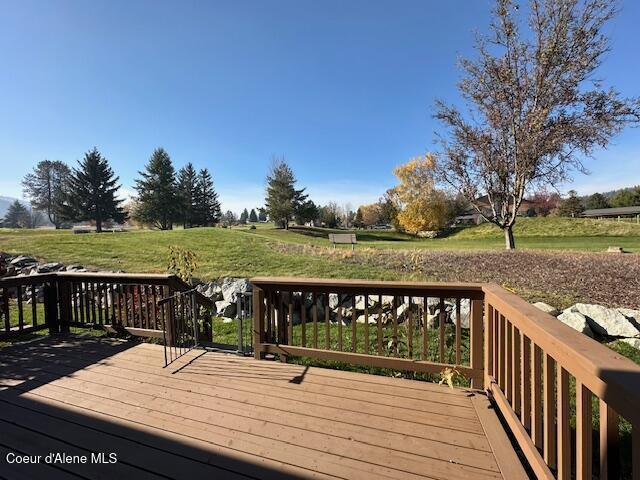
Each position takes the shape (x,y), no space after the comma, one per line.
(244,216)
(253,217)
(91,194)
(629,197)
(358,221)
(306,212)
(282,199)
(262,215)
(17,216)
(571,206)
(597,200)
(45,188)
(207,205)
(157,192)
(187,194)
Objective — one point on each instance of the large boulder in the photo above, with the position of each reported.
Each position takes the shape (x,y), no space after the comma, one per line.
(23,261)
(50,267)
(576,320)
(225,309)
(606,321)
(545,307)
(233,287)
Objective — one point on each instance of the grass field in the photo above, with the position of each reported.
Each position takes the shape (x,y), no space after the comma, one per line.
(537,272)
(536,233)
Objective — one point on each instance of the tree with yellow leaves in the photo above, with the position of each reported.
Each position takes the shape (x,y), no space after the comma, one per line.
(422,206)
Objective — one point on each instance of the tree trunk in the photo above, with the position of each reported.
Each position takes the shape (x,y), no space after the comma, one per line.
(510,243)
(98,225)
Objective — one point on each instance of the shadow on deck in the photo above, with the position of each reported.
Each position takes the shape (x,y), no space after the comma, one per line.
(224,416)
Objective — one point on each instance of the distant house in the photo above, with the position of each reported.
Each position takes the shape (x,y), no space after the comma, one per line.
(471,215)
(616,212)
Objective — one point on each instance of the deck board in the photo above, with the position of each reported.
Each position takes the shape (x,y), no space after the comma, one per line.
(232,417)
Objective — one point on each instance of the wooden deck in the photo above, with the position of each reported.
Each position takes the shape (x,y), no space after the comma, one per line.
(223,416)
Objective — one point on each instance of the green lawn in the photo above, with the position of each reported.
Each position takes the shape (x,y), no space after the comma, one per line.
(248,252)
(536,233)
(220,252)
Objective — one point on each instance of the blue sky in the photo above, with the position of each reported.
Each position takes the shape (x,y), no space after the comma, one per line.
(343,89)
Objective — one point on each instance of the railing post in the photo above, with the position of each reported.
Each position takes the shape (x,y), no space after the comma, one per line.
(169,327)
(488,344)
(477,362)
(61,297)
(51,296)
(258,322)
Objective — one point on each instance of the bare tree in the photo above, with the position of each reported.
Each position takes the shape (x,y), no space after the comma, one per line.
(535,108)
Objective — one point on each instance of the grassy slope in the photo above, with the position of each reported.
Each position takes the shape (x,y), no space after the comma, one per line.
(538,233)
(220,252)
(245,252)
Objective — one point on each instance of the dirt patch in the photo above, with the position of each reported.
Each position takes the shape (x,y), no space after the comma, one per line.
(560,278)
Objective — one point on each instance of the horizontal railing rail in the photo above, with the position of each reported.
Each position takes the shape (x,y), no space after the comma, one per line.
(410,326)
(555,386)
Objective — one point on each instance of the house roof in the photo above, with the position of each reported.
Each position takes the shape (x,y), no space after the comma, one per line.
(609,212)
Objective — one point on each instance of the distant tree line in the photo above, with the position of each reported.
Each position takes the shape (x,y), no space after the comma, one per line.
(89,192)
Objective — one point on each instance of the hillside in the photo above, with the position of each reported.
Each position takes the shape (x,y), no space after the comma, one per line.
(555,227)
(535,233)
(475,254)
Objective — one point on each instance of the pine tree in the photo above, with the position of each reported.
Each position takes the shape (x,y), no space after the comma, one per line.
(571,206)
(207,205)
(92,192)
(157,192)
(262,215)
(45,187)
(244,216)
(17,216)
(282,198)
(253,217)
(358,221)
(187,193)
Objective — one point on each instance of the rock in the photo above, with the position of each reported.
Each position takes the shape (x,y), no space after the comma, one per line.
(465,313)
(23,261)
(225,308)
(632,315)
(615,250)
(360,303)
(372,319)
(545,307)
(50,267)
(634,342)
(74,268)
(606,321)
(211,290)
(344,300)
(232,287)
(576,320)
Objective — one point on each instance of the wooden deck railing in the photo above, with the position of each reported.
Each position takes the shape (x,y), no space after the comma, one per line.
(545,376)
(114,301)
(404,326)
(526,360)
